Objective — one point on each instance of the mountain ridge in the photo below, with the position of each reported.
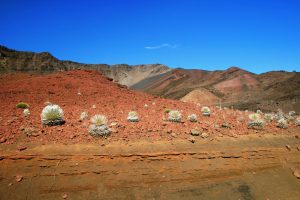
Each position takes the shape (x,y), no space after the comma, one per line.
(231,87)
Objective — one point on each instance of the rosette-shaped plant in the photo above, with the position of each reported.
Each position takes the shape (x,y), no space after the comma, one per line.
(205,111)
(26,112)
(52,115)
(297,121)
(256,121)
(282,123)
(133,116)
(174,116)
(83,116)
(192,118)
(99,126)
(292,113)
(269,117)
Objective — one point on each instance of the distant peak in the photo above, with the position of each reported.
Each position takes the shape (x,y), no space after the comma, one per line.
(233,68)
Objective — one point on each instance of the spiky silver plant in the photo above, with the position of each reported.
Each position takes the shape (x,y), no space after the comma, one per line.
(133,116)
(99,120)
(297,121)
(26,112)
(269,117)
(83,116)
(279,115)
(192,118)
(52,115)
(174,116)
(255,121)
(282,123)
(99,126)
(205,111)
(292,113)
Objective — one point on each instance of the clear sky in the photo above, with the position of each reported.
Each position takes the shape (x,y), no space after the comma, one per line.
(257,35)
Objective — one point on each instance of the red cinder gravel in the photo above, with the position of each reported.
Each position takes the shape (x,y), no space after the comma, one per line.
(111,100)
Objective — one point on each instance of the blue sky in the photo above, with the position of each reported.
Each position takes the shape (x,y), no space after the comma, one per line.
(255,35)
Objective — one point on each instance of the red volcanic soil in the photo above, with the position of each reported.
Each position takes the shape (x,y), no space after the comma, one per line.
(112,100)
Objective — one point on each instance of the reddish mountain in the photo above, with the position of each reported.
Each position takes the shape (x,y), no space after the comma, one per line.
(232,87)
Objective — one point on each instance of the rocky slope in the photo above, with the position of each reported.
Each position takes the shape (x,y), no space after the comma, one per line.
(11,60)
(232,87)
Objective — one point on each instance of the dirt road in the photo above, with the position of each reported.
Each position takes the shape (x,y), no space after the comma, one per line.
(228,168)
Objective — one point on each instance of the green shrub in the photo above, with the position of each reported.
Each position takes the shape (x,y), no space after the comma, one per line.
(22,105)
(167,110)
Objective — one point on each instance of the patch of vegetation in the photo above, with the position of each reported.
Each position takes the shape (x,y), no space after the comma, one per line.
(167,110)
(22,105)
(192,118)
(205,111)
(282,123)
(83,116)
(99,126)
(99,120)
(174,116)
(26,112)
(269,117)
(52,115)
(132,116)
(256,121)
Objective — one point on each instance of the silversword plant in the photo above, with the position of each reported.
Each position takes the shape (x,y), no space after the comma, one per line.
(256,121)
(26,112)
(174,116)
(52,115)
(297,121)
(133,116)
(205,111)
(192,118)
(282,123)
(99,126)
(83,116)
(269,117)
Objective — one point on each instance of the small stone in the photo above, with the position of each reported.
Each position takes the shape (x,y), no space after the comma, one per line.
(204,135)
(192,139)
(195,132)
(288,147)
(72,136)
(10,184)
(19,178)
(226,125)
(64,196)
(114,124)
(173,135)
(21,148)
(114,130)
(2,140)
(297,174)
(298,148)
